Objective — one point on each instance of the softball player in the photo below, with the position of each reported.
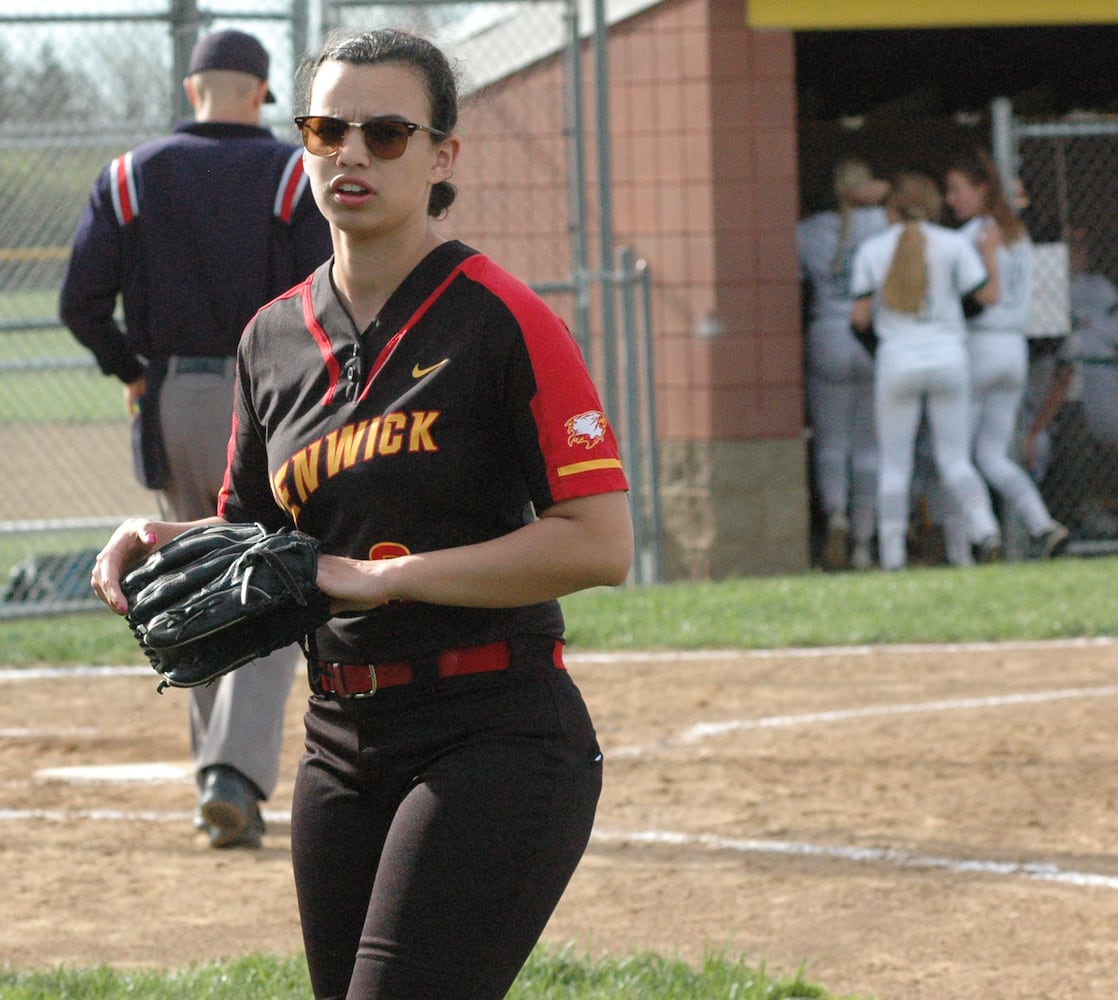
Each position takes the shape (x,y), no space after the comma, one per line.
(909,282)
(428,418)
(999,354)
(839,369)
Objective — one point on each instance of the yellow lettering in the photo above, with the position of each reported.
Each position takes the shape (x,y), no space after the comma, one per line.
(371,440)
(306,470)
(342,446)
(421,439)
(392,434)
(279,487)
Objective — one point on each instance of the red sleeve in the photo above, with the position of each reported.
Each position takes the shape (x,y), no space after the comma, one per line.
(575,438)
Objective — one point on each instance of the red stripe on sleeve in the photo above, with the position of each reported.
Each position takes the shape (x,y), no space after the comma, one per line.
(127,210)
(289,192)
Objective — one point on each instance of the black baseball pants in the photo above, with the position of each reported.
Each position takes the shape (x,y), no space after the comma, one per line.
(434,828)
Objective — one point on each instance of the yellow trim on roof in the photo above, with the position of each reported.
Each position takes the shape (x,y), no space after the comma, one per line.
(808,15)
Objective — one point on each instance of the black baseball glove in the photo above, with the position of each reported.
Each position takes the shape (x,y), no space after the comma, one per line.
(221,595)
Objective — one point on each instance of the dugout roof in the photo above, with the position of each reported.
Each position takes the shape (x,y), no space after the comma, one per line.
(829,15)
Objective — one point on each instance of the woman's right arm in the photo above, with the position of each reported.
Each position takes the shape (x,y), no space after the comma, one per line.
(130,544)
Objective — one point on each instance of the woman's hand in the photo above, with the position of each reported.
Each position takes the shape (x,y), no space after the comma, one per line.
(351,583)
(133,541)
(130,544)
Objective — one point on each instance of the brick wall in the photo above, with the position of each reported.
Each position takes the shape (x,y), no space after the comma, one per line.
(703,144)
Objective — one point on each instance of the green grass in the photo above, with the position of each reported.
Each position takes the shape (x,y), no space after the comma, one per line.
(36,344)
(1020,600)
(253,976)
(62,396)
(53,394)
(1011,601)
(549,975)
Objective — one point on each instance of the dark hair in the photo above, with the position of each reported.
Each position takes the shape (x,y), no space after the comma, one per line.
(979,168)
(368,48)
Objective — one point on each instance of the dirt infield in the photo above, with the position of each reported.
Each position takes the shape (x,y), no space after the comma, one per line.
(931,824)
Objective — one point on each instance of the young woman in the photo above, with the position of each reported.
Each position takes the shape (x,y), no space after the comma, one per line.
(909,284)
(999,353)
(425,416)
(839,369)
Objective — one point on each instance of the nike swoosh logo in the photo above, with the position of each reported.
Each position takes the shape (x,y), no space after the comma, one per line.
(418,372)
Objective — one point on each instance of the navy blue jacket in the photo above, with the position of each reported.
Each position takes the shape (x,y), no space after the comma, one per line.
(194,232)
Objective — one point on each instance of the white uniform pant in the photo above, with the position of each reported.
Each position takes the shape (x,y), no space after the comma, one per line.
(998,371)
(912,374)
(840,411)
(238,720)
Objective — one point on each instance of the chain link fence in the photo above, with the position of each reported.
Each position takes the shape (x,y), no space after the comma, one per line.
(1069,171)
(80,85)
(61,422)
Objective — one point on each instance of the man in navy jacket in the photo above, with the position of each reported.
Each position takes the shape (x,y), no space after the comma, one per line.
(193,233)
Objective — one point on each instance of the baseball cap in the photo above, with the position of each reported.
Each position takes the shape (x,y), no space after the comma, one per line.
(233,50)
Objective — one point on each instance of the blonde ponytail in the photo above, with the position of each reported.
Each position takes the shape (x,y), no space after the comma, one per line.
(906,284)
(914,199)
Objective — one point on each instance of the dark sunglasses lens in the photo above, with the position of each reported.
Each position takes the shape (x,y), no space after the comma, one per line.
(386,140)
(323,136)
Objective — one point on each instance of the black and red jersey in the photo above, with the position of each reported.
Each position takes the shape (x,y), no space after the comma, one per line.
(461,411)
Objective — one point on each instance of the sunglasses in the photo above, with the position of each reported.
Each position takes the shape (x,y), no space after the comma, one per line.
(385,138)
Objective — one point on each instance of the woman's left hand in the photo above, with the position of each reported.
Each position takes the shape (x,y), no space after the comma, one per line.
(351,583)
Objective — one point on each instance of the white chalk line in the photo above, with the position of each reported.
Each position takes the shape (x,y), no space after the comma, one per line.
(710,730)
(278,816)
(820,652)
(82,671)
(655,656)
(707,730)
(1040,871)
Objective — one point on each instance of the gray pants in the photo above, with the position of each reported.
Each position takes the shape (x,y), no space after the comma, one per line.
(237,720)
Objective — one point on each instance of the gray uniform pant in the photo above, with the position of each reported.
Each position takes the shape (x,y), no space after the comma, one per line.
(237,720)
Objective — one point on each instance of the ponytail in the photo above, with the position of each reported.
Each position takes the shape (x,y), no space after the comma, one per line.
(906,283)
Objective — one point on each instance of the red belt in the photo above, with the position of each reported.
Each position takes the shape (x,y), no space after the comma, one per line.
(361,680)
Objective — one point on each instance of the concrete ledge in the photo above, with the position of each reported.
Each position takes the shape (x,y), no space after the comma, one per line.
(734,508)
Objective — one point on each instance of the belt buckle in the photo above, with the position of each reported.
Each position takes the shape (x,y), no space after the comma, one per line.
(371,667)
(336,673)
